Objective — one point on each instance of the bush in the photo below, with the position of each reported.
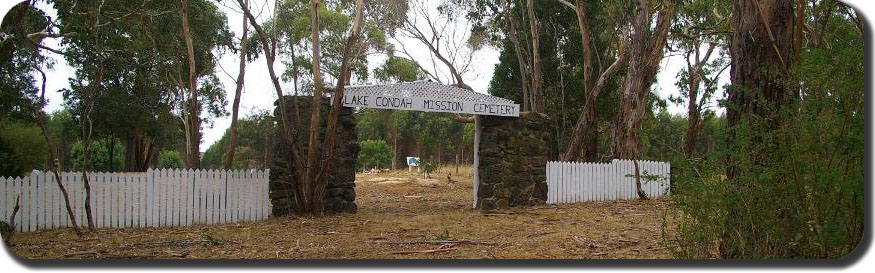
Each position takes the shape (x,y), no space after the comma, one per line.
(428,167)
(798,188)
(99,158)
(22,148)
(170,160)
(374,153)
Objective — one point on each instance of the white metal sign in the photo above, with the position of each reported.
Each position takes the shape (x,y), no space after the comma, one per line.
(413,161)
(416,103)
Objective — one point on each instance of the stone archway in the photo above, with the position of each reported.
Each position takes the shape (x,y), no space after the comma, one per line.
(510,151)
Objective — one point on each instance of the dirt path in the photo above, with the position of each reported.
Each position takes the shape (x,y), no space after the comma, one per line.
(406,218)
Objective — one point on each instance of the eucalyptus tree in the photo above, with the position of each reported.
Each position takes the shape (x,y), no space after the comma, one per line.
(584,131)
(244,48)
(20,60)
(311,172)
(700,32)
(646,44)
(144,58)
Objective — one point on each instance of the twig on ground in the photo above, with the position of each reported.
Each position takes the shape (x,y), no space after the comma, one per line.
(439,242)
(333,233)
(424,251)
(540,234)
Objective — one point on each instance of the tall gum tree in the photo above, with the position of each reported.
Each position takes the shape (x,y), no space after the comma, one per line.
(585,133)
(645,51)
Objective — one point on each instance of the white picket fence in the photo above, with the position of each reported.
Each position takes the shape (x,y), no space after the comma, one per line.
(571,182)
(156,198)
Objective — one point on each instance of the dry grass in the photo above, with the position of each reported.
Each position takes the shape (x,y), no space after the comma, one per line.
(395,220)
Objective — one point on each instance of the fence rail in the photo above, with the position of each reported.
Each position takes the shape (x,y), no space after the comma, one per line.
(571,182)
(156,198)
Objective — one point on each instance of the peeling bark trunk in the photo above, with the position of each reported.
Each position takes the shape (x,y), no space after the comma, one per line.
(232,139)
(694,115)
(86,142)
(193,143)
(584,130)
(139,152)
(537,76)
(645,53)
(337,105)
(312,153)
(514,38)
(638,189)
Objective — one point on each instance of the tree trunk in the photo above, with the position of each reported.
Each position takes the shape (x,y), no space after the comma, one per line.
(694,115)
(585,127)
(56,169)
(301,186)
(645,53)
(232,139)
(395,151)
(86,142)
(112,154)
(138,152)
(193,143)
(638,189)
(514,38)
(584,130)
(315,113)
(331,131)
(87,125)
(537,76)
(761,53)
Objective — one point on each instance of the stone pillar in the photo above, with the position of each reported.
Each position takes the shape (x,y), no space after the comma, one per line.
(513,161)
(340,192)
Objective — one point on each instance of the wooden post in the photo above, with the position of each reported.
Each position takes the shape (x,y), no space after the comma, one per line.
(476,157)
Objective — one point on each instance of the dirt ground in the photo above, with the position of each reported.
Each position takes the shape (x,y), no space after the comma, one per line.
(400,216)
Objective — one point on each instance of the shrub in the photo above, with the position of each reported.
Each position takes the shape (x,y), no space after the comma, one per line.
(374,153)
(99,157)
(170,160)
(798,187)
(22,148)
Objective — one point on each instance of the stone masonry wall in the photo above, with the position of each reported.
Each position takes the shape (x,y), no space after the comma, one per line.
(340,194)
(513,161)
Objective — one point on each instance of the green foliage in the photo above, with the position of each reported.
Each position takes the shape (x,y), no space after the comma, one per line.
(255,137)
(397,69)
(428,167)
(19,62)
(170,160)
(22,148)
(798,188)
(210,240)
(561,60)
(420,134)
(292,30)
(374,153)
(100,157)
(135,67)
